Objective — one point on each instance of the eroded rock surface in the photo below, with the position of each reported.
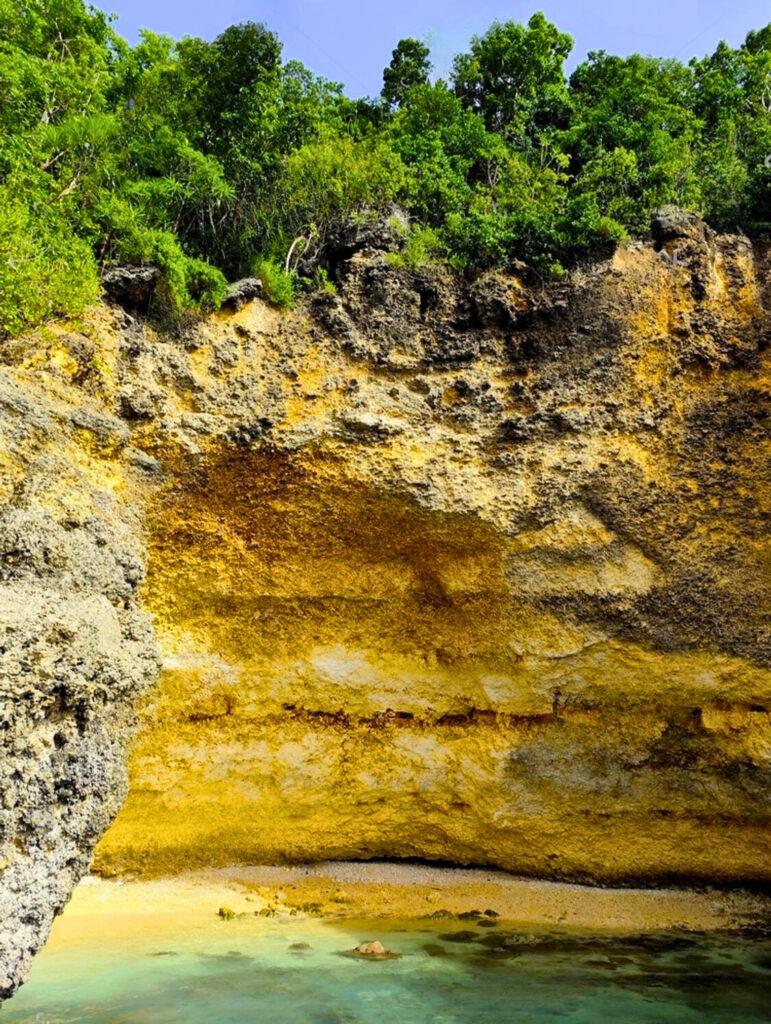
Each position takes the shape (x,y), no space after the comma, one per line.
(75,651)
(466,572)
(474,572)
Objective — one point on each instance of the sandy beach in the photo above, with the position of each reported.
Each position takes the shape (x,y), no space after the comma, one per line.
(280,944)
(337,891)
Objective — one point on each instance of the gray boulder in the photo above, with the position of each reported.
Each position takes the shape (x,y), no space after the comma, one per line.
(669,223)
(241,292)
(131,287)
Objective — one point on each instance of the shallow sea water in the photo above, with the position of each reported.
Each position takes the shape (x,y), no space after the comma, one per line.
(232,972)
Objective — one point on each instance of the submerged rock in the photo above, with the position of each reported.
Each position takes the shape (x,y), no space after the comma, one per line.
(462,936)
(374,951)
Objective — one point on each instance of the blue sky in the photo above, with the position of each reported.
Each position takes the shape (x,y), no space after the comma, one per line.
(350,41)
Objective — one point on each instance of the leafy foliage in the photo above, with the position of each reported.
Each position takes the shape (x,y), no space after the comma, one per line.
(208,158)
(513,76)
(422,246)
(45,269)
(409,67)
(277,283)
(331,180)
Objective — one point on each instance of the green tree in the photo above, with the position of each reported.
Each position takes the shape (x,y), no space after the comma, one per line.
(513,76)
(446,148)
(326,183)
(733,99)
(641,106)
(54,61)
(203,156)
(410,66)
(45,269)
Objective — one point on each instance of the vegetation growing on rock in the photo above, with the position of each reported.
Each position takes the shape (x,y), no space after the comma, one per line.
(202,158)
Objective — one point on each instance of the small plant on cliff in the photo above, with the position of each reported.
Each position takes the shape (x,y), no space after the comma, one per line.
(422,246)
(278,286)
(322,281)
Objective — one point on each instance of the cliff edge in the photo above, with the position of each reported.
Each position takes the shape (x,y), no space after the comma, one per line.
(465,571)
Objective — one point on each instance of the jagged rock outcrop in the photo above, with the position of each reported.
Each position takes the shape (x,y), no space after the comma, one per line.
(75,651)
(131,287)
(241,292)
(465,571)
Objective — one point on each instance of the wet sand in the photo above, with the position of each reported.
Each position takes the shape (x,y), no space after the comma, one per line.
(339,891)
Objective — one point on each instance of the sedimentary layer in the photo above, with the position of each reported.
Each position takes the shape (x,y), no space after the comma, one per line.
(466,571)
(473,573)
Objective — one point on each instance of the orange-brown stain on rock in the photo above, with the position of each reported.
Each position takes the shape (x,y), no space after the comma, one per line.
(349,675)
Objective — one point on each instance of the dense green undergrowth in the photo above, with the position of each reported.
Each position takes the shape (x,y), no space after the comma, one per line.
(214,160)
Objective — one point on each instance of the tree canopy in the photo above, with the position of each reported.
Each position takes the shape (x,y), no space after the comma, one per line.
(513,76)
(209,158)
(410,66)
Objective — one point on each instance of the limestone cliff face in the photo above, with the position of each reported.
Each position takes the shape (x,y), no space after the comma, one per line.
(472,572)
(75,650)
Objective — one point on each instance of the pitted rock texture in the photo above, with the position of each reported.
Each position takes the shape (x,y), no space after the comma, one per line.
(468,571)
(75,650)
(465,571)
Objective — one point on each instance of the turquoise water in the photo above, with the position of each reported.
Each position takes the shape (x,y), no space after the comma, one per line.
(247,970)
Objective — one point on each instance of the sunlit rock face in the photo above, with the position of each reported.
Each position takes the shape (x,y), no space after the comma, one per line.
(471,572)
(466,573)
(348,675)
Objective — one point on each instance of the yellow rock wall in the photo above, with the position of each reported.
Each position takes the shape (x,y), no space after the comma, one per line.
(349,676)
(459,587)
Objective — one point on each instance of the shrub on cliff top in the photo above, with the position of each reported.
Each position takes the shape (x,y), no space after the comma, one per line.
(202,156)
(277,284)
(45,269)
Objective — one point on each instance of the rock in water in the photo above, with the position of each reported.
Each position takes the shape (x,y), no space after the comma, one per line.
(462,572)
(374,949)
